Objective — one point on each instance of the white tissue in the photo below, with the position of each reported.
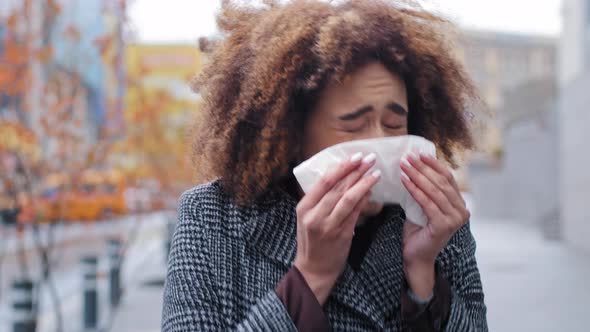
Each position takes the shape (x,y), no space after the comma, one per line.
(389,153)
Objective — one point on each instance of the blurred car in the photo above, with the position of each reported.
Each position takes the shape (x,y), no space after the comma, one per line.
(93,195)
(96,195)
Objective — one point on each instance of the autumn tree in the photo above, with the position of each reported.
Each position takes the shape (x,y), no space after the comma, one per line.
(44,116)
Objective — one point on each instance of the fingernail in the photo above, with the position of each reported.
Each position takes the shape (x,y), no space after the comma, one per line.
(376,173)
(404,175)
(356,157)
(370,158)
(406,163)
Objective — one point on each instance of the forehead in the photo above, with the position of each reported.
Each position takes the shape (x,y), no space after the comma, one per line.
(368,85)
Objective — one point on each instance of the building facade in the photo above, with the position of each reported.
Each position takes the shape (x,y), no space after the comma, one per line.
(513,175)
(498,64)
(574,46)
(574,114)
(161,106)
(83,54)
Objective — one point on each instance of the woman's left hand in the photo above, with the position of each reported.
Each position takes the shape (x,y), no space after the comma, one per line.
(433,186)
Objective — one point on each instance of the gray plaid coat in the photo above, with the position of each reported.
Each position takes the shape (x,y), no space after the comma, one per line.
(226,261)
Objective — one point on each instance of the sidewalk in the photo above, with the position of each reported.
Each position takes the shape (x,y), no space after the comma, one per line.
(141,306)
(531,284)
(66,232)
(145,250)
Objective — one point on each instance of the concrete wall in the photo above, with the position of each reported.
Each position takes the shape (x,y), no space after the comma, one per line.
(573,40)
(575,162)
(524,186)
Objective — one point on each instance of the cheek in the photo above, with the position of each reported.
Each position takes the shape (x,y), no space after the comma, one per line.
(404,121)
(403,131)
(312,140)
(318,136)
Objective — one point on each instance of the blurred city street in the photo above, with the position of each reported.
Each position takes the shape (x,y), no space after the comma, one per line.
(98,100)
(144,265)
(530,284)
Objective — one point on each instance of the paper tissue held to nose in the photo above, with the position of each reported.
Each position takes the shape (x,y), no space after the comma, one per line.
(390,152)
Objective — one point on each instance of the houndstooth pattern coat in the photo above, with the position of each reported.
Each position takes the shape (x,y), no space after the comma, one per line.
(226,261)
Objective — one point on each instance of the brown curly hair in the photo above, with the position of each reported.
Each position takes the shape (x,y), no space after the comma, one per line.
(262,80)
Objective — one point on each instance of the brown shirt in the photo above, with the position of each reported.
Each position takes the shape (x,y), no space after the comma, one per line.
(307,314)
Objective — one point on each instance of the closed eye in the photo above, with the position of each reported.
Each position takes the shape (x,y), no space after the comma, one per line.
(355,130)
(395,127)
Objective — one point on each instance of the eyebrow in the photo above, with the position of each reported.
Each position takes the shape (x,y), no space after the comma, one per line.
(356,114)
(394,107)
(397,109)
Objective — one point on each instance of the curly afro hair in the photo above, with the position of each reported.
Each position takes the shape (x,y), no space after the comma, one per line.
(264,77)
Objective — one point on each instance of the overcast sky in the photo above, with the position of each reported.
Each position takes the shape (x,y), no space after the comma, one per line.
(170,21)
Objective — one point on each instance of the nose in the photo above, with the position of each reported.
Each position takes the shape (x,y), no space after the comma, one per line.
(376,131)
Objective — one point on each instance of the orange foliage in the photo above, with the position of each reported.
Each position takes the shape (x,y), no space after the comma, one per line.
(11,21)
(16,54)
(44,54)
(53,6)
(148,138)
(72,32)
(61,99)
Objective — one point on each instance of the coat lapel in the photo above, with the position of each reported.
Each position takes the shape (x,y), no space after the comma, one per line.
(373,291)
(271,228)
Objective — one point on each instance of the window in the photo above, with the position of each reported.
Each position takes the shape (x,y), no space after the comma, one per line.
(50,193)
(87,188)
(109,188)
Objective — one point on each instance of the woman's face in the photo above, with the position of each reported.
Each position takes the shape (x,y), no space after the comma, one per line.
(369,103)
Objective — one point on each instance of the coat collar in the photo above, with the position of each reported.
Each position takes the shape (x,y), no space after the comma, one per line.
(373,291)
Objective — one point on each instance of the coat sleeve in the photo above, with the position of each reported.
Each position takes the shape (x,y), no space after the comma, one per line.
(468,311)
(192,301)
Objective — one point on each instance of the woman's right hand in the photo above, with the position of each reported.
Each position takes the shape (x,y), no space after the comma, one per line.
(326,217)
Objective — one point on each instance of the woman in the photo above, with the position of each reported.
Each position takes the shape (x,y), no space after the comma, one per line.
(251,251)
